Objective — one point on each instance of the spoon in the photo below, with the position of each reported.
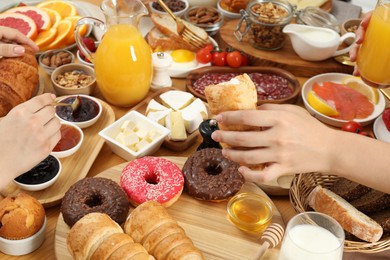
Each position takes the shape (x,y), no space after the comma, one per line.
(345,60)
(74,105)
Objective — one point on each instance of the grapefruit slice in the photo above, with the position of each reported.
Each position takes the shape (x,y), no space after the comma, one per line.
(40,17)
(21,22)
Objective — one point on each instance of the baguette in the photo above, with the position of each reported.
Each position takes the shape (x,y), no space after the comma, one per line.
(351,219)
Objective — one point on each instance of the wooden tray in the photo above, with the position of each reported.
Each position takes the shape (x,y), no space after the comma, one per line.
(74,167)
(177,146)
(284,58)
(205,223)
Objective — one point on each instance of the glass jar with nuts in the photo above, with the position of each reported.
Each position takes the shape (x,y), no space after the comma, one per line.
(265,20)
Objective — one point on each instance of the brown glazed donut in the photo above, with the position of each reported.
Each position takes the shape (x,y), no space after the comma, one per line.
(210,176)
(95,195)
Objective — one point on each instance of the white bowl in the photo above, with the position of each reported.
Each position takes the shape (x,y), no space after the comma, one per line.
(49,70)
(69,152)
(23,246)
(177,14)
(81,124)
(42,168)
(110,132)
(83,61)
(226,13)
(337,78)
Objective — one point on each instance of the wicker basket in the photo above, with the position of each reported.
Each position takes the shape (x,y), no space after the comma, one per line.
(303,184)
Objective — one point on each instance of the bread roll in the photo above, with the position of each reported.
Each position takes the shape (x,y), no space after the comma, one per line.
(110,244)
(18,80)
(88,233)
(352,220)
(21,216)
(156,236)
(129,251)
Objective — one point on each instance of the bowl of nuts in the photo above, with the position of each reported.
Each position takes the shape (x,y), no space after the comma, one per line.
(52,59)
(72,79)
(350,25)
(206,17)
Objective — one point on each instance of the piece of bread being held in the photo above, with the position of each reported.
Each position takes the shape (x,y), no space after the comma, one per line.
(351,219)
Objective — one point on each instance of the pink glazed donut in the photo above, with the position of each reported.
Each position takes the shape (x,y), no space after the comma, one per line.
(152,178)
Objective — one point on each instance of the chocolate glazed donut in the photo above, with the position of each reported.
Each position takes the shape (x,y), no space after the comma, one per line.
(94,195)
(210,176)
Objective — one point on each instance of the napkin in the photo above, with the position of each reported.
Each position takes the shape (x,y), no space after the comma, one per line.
(344,11)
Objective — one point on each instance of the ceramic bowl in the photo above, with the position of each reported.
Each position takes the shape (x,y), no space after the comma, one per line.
(42,176)
(23,246)
(337,78)
(74,67)
(112,135)
(47,54)
(71,139)
(291,81)
(258,220)
(350,25)
(211,28)
(82,61)
(179,13)
(90,110)
(226,13)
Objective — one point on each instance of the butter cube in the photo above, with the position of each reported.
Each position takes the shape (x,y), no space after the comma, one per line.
(131,139)
(127,125)
(142,144)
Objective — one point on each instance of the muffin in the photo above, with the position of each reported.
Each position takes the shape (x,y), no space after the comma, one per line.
(21,216)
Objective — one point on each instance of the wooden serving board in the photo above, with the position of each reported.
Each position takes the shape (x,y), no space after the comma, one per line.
(176,146)
(284,58)
(74,167)
(206,223)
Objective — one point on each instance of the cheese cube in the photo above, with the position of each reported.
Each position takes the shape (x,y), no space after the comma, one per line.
(142,144)
(152,135)
(176,99)
(127,125)
(131,139)
(174,121)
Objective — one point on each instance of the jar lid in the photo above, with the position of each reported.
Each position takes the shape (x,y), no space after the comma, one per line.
(315,16)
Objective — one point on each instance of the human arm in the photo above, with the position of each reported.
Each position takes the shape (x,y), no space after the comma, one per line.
(9,39)
(295,142)
(28,133)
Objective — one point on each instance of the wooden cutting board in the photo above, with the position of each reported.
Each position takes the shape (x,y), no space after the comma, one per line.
(206,223)
(74,167)
(284,58)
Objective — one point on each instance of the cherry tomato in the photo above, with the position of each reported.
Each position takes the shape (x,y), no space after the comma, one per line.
(244,59)
(203,56)
(219,58)
(234,59)
(352,126)
(364,133)
(209,47)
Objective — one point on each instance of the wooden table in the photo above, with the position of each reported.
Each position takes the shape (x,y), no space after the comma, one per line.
(107,159)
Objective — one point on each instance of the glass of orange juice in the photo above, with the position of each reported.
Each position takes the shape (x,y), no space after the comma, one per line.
(374,54)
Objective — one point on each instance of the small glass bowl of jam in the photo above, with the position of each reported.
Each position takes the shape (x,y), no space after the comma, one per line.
(43,175)
(87,113)
(71,139)
(250,212)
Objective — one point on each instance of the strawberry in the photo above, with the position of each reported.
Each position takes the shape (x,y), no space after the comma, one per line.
(90,44)
(386,118)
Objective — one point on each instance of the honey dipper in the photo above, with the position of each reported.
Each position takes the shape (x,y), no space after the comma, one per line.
(270,238)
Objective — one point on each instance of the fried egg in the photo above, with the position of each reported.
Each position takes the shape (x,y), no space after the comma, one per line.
(183,59)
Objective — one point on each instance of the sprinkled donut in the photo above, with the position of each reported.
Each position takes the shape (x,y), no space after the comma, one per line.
(152,178)
(210,176)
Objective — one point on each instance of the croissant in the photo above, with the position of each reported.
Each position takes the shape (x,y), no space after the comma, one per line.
(234,6)
(18,80)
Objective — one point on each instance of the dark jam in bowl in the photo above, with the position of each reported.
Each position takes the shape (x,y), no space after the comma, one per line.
(70,137)
(41,173)
(87,110)
(268,86)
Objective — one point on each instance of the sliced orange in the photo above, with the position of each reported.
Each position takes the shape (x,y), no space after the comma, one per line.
(64,30)
(55,17)
(65,9)
(44,38)
(74,20)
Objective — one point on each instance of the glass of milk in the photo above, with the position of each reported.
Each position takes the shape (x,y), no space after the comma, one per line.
(312,235)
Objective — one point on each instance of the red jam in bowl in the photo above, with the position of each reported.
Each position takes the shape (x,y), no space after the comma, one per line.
(87,110)
(41,173)
(70,137)
(269,86)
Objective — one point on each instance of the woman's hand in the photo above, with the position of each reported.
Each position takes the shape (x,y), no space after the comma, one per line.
(28,133)
(9,38)
(291,141)
(360,32)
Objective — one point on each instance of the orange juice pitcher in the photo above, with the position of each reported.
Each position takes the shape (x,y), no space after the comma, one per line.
(374,54)
(123,59)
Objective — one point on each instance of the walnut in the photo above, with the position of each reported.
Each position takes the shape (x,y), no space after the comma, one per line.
(74,79)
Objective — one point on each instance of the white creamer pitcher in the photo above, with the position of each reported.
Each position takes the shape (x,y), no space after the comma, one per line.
(316,43)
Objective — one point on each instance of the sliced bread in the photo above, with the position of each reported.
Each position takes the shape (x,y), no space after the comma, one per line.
(351,219)
(349,190)
(372,201)
(159,41)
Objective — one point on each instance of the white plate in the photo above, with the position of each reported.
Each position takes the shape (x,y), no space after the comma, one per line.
(81,10)
(380,130)
(337,78)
